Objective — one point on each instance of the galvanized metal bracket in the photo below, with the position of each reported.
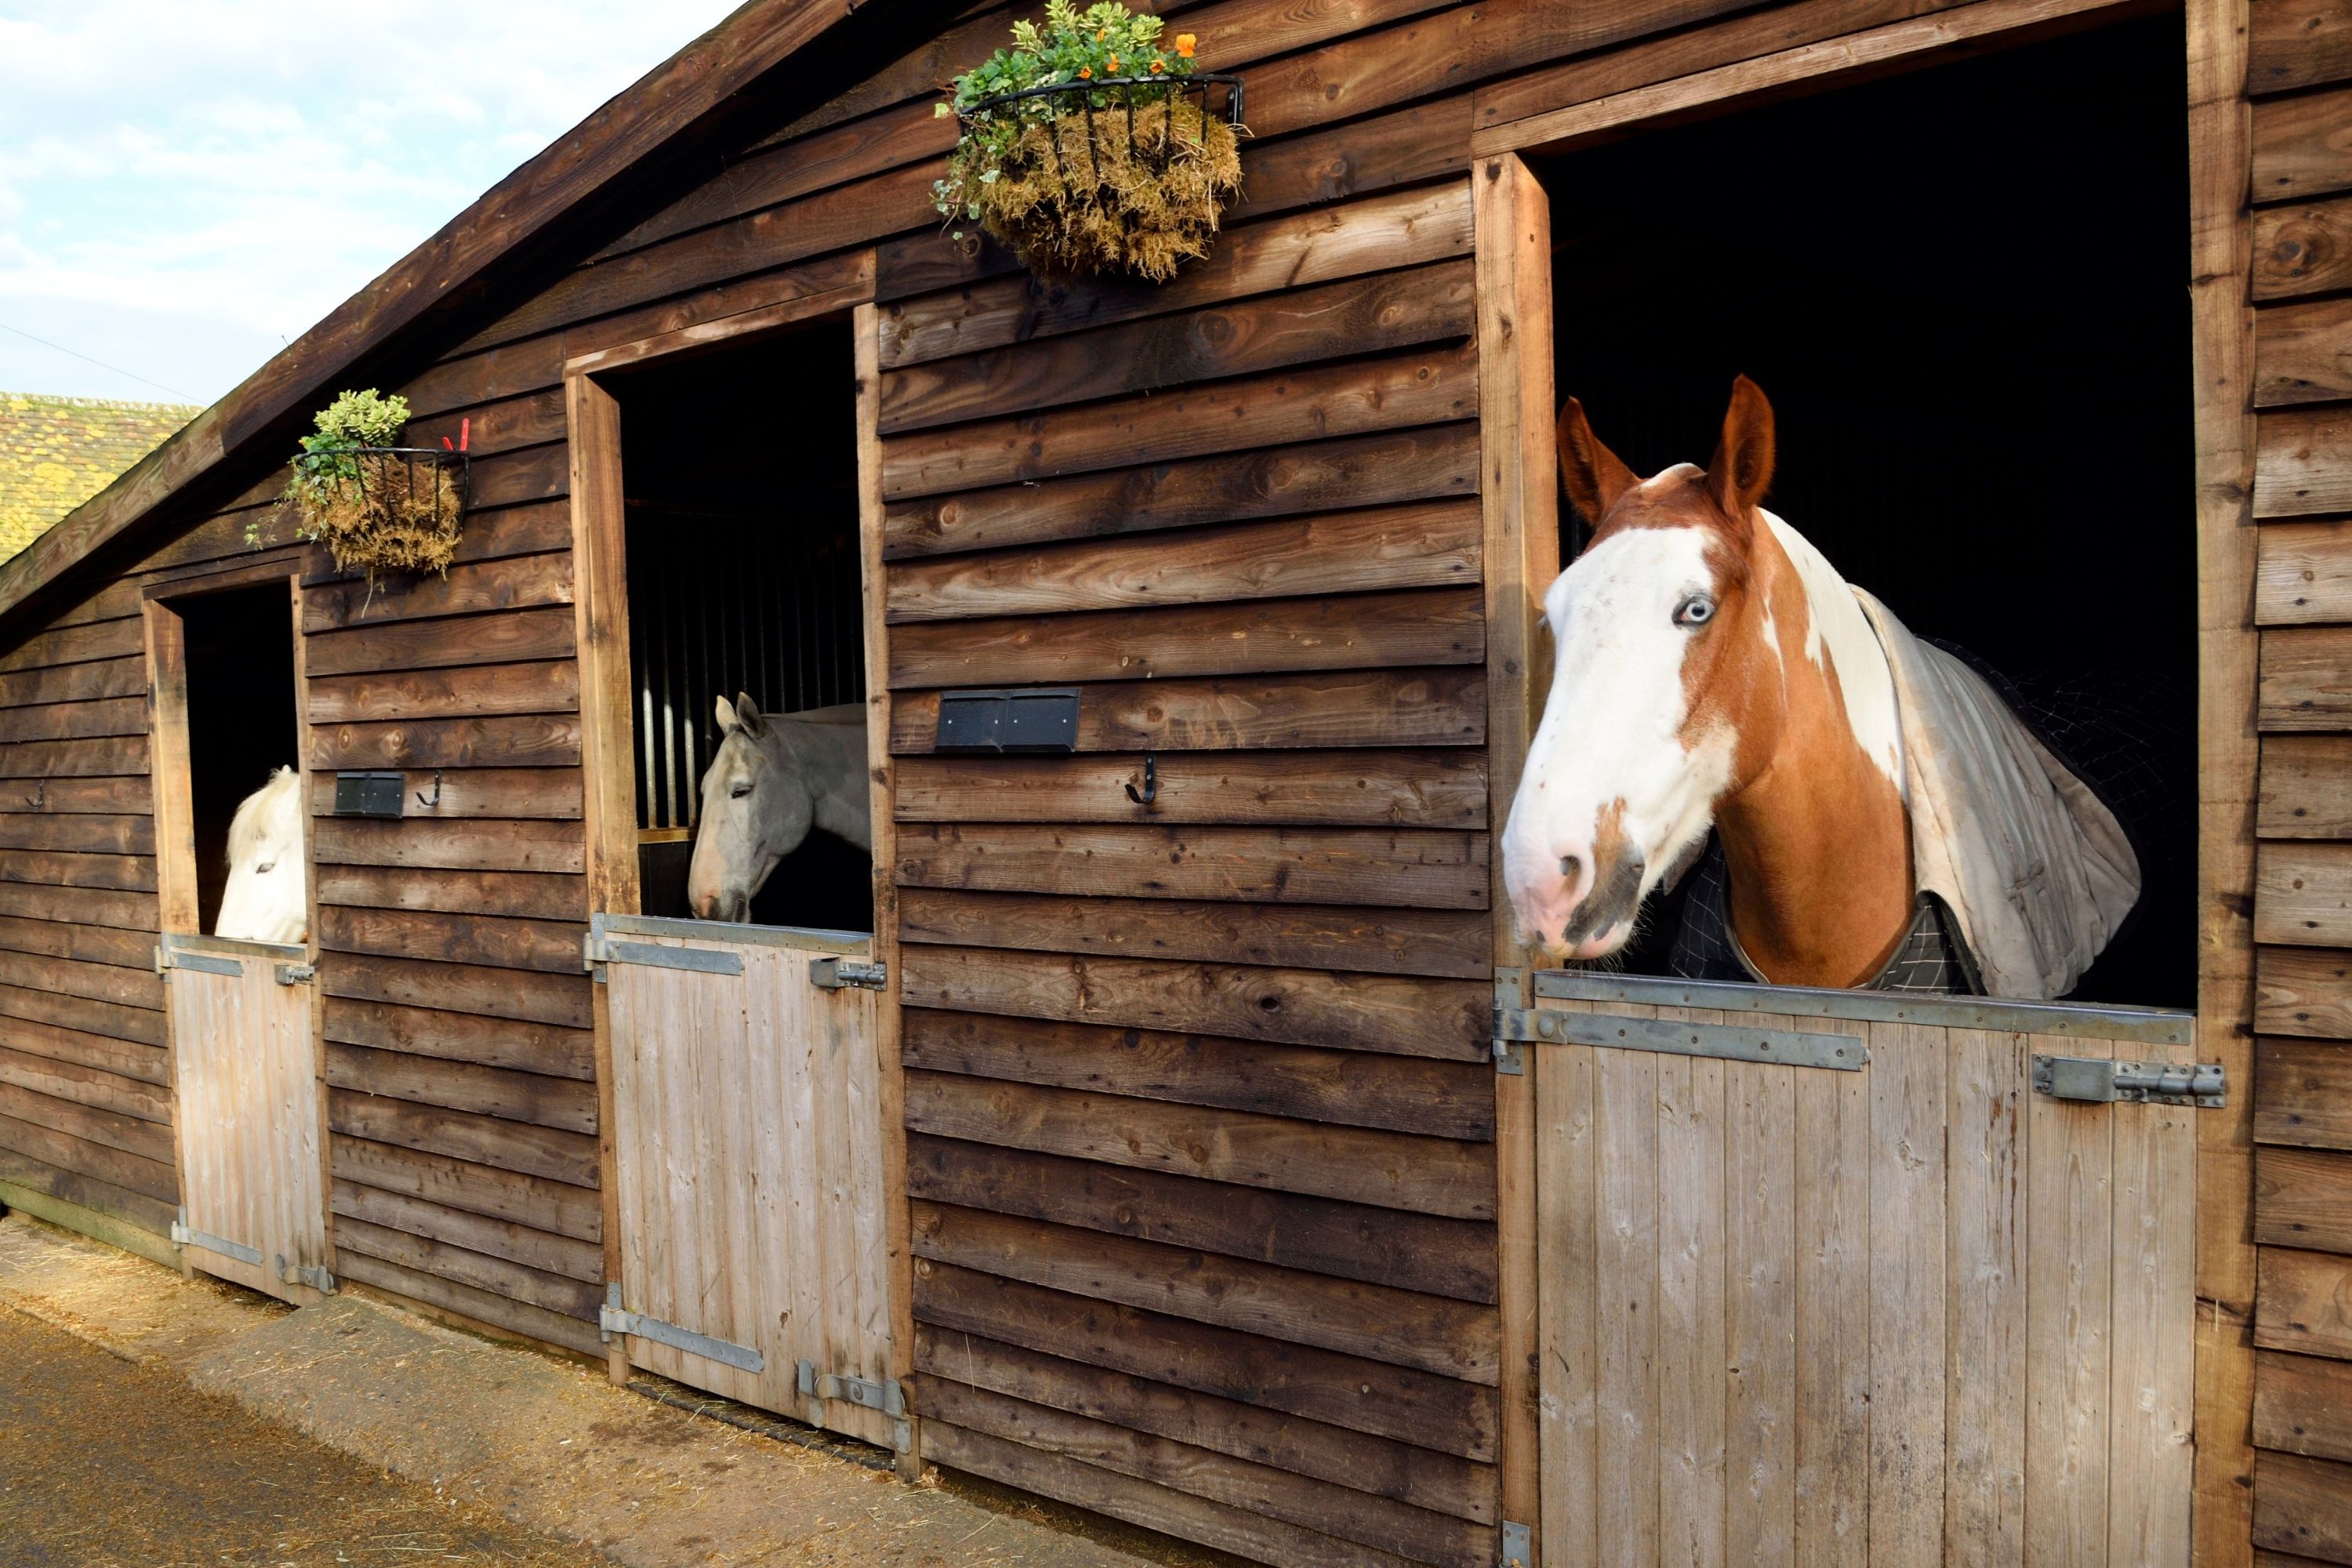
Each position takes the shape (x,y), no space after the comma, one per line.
(1518,1545)
(885,1396)
(169,958)
(186,1234)
(1510,999)
(2100,1078)
(314,1275)
(612,1318)
(833,973)
(296,973)
(1723,1042)
(600,949)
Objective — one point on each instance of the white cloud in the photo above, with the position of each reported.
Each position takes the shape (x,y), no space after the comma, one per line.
(185,184)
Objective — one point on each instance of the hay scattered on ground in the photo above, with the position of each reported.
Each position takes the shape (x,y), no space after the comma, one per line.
(1077,195)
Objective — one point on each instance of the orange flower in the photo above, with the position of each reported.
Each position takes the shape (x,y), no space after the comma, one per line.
(1159,66)
(1114,65)
(1100,34)
(1085,73)
(1184,43)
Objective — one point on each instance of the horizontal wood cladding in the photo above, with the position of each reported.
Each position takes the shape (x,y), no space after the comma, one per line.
(1356,1460)
(1448,943)
(488,1272)
(560,1000)
(1347,1240)
(545,687)
(2302,462)
(2303,1092)
(2303,145)
(2303,1405)
(2304,573)
(434,1292)
(1442,1414)
(74,1186)
(2296,43)
(550,947)
(470,1037)
(1396,1015)
(529,740)
(2303,1198)
(558,1208)
(1379,313)
(1368,708)
(1410,1533)
(1420,867)
(1389,1170)
(2304,1506)
(2302,353)
(1392,229)
(406,884)
(466,844)
(2303,1302)
(1319,401)
(2303,249)
(1418,544)
(544,634)
(2303,893)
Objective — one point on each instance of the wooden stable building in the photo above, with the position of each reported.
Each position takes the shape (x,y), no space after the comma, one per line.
(1208,1156)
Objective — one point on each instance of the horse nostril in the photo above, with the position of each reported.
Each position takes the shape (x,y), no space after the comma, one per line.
(1571,868)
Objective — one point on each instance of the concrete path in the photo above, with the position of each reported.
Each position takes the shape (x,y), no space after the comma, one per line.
(209,1377)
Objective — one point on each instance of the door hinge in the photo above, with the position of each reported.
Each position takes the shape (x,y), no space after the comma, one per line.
(296,973)
(612,1318)
(1518,1545)
(885,1396)
(599,950)
(311,1274)
(169,958)
(833,974)
(2201,1084)
(1510,996)
(185,1235)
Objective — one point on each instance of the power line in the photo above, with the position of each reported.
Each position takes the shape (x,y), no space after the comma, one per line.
(101,364)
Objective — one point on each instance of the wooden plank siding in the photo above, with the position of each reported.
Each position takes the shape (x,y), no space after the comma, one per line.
(2301,1090)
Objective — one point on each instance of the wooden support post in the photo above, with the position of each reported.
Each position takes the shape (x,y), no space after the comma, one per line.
(1519,498)
(867,329)
(175,827)
(333,1261)
(608,784)
(2222,329)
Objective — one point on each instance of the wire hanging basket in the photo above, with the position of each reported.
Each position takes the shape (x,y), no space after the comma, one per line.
(384,509)
(1121,174)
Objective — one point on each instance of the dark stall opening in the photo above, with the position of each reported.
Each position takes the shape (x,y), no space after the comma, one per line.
(739,477)
(1963,291)
(242,717)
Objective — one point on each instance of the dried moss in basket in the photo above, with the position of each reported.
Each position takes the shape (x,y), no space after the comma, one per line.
(1133,176)
(376,508)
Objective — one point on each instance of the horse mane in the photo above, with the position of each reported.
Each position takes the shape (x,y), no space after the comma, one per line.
(246,829)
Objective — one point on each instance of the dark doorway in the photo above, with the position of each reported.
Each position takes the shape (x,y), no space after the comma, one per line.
(1963,291)
(243,719)
(739,476)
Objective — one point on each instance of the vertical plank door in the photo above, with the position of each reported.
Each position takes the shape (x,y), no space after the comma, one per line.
(253,1199)
(1827,1279)
(748,1138)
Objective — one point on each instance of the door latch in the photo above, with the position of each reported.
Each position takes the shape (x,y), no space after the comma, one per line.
(833,974)
(2203,1084)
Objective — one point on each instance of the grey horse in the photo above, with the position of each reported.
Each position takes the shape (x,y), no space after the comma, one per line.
(776,777)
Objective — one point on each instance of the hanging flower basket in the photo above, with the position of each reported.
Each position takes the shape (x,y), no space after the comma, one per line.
(1081,169)
(380,508)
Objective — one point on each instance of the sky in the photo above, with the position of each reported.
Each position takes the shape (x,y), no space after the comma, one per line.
(187,186)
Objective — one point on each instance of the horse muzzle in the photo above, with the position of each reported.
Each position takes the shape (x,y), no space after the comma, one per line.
(1585,913)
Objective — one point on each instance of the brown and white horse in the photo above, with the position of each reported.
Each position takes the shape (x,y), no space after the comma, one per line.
(1713,671)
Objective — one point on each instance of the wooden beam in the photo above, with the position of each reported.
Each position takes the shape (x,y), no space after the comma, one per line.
(1519,500)
(2222,349)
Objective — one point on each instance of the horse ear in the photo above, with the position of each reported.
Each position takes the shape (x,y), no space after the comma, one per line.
(1593,476)
(747,712)
(728,722)
(1742,468)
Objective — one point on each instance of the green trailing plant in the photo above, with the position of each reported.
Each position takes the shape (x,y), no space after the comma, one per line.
(1132,174)
(374,506)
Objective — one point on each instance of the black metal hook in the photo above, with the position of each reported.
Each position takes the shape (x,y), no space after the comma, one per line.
(39,799)
(1151,782)
(428,804)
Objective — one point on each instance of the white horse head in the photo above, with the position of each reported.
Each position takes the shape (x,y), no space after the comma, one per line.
(773,778)
(268,895)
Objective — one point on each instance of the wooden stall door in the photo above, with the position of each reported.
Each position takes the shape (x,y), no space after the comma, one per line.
(748,1144)
(253,1207)
(1872,1299)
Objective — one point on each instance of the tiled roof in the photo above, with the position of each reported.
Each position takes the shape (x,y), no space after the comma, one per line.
(57,452)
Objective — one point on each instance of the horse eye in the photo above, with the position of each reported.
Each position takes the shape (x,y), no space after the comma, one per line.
(1694,611)
(264,866)
(739,791)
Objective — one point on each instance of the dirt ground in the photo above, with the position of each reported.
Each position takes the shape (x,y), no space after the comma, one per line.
(104,1461)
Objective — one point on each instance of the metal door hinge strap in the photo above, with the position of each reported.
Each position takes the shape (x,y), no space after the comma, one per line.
(168,958)
(618,1320)
(1725,1042)
(186,1234)
(833,974)
(702,960)
(2201,1084)
(311,1274)
(1518,1545)
(885,1396)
